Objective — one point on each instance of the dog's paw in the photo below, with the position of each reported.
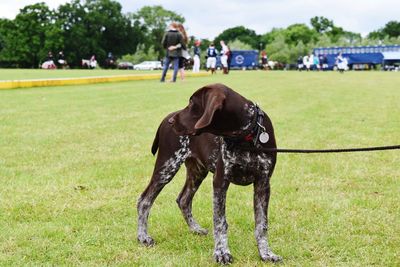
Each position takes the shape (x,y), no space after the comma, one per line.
(223,257)
(146,240)
(270,256)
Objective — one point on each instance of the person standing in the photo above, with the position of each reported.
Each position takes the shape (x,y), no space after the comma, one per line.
(49,61)
(324,62)
(306,62)
(211,58)
(172,38)
(321,61)
(61,60)
(229,58)
(185,54)
(196,56)
(341,63)
(311,61)
(316,63)
(224,56)
(300,65)
(93,62)
(264,60)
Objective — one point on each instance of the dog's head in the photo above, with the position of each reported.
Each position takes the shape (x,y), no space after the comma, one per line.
(214,109)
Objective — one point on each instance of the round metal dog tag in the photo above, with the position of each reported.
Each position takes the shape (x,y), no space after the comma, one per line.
(264,137)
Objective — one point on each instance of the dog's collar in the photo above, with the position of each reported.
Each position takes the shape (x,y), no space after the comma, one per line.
(254,134)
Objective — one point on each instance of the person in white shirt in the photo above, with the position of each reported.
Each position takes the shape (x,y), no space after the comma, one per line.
(196,56)
(306,62)
(311,62)
(341,63)
(93,62)
(224,56)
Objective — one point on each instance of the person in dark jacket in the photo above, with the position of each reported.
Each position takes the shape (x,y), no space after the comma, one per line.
(173,43)
(211,58)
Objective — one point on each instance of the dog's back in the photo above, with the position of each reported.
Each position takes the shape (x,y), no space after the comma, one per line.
(203,148)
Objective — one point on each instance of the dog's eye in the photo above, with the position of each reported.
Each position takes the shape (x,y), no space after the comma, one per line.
(192,106)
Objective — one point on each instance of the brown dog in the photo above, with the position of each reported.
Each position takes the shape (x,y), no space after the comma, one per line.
(219,131)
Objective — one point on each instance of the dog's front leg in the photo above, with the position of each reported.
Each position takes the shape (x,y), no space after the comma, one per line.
(261,200)
(221,250)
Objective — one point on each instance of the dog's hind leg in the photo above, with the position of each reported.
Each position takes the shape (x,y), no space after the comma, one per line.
(195,174)
(165,169)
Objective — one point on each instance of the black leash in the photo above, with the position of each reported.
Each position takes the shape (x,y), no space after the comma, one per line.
(257,134)
(340,150)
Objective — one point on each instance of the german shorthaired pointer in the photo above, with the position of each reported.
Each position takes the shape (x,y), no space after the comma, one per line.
(219,132)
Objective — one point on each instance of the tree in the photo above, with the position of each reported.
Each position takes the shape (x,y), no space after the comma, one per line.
(299,32)
(140,55)
(321,24)
(96,27)
(239,45)
(154,20)
(391,29)
(3,38)
(112,30)
(299,50)
(323,41)
(269,37)
(6,28)
(240,33)
(24,38)
(278,49)
(77,43)
(349,38)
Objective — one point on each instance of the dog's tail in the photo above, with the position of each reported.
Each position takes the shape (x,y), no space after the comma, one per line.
(154,147)
(164,128)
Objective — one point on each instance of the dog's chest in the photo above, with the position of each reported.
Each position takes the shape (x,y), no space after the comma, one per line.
(243,167)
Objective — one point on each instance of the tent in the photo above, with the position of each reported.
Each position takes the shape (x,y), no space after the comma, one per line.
(390,59)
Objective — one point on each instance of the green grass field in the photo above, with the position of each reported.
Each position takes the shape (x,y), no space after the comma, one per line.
(74,159)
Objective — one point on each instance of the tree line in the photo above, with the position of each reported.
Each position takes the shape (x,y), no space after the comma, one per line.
(96,27)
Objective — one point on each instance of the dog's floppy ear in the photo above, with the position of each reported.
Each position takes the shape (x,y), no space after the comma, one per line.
(214,102)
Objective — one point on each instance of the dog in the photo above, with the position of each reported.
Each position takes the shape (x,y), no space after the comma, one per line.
(219,132)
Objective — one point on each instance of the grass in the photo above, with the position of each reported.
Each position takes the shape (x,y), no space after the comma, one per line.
(27,74)
(73,161)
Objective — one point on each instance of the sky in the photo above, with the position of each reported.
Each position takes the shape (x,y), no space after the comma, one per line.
(208,18)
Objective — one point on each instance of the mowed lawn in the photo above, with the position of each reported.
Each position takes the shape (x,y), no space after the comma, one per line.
(74,160)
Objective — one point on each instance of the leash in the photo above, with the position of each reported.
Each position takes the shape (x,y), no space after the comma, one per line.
(258,134)
(340,150)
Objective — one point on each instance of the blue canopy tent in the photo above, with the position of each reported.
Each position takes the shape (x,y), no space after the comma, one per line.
(358,56)
(390,60)
(242,59)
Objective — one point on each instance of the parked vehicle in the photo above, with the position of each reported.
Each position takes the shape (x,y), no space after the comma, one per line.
(125,66)
(148,65)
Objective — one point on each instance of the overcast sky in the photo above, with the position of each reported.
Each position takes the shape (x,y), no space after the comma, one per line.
(208,18)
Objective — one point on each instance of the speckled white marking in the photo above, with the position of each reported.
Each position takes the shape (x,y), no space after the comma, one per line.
(168,171)
(246,159)
(221,249)
(171,166)
(251,111)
